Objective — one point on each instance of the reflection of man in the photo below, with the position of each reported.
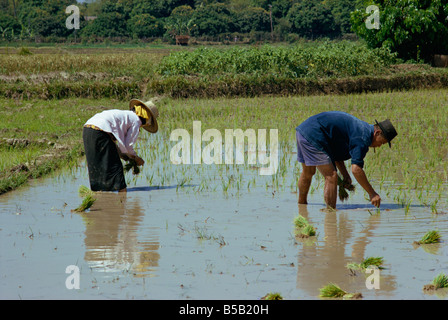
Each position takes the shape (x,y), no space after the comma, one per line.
(327,139)
(342,242)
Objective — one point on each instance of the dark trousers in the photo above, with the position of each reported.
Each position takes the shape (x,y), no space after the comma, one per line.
(103,162)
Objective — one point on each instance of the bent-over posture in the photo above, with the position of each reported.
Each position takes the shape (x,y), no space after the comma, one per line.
(326,140)
(110,136)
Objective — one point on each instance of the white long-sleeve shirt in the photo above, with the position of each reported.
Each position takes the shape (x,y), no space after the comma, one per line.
(123,124)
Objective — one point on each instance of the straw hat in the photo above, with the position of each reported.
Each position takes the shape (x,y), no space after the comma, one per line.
(147,108)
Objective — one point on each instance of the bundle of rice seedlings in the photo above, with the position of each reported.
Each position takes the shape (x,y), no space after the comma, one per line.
(300,221)
(272,296)
(342,190)
(86,203)
(432,236)
(303,228)
(332,290)
(131,164)
(370,261)
(439,282)
(83,191)
(308,231)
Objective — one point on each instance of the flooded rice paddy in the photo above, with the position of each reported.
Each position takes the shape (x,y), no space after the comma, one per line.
(183,236)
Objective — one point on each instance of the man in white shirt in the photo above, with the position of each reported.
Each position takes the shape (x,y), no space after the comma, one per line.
(110,136)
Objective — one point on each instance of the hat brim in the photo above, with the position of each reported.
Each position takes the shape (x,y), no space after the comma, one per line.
(154,126)
(383,130)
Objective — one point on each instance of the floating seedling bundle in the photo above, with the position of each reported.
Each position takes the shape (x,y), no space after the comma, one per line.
(376,262)
(332,290)
(272,296)
(303,228)
(88,200)
(439,282)
(432,236)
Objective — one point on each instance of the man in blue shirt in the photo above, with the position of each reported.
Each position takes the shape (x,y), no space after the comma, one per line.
(326,139)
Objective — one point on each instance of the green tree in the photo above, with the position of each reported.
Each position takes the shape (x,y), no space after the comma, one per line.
(415,29)
(110,22)
(44,17)
(180,21)
(8,26)
(145,26)
(212,20)
(312,18)
(341,9)
(253,19)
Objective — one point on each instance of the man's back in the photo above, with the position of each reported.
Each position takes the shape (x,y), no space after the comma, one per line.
(340,135)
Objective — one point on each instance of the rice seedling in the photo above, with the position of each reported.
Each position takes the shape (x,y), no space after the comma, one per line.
(84,191)
(432,236)
(131,164)
(342,190)
(300,221)
(303,229)
(87,202)
(368,262)
(272,296)
(439,282)
(308,231)
(332,290)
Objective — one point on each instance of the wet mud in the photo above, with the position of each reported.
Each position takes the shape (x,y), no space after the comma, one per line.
(170,242)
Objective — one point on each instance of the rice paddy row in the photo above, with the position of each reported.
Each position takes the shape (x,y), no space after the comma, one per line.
(413,172)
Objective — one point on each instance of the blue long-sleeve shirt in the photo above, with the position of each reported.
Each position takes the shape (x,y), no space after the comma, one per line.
(338,134)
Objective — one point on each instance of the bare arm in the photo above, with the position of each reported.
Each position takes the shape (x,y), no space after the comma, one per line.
(126,157)
(361,177)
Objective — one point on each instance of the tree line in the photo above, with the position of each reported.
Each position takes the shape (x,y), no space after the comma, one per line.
(159,18)
(415,29)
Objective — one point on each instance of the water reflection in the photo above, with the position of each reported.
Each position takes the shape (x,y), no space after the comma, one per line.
(324,260)
(111,236)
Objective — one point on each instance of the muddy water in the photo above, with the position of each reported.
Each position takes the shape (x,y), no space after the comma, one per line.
(172,242)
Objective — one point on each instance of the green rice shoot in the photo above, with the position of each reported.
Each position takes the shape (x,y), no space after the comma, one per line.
(273,296)
(303,228)
(332,290)
(432,236)
(87,202)
(440,281)
(300,221)
(308,231)
(342,190)
(368,262)
(84,191)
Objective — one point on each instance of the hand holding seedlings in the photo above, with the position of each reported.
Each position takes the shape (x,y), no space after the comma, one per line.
(344,185)
(132,164)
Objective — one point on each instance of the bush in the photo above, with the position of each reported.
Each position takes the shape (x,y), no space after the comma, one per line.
(414,29)
(325,59)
